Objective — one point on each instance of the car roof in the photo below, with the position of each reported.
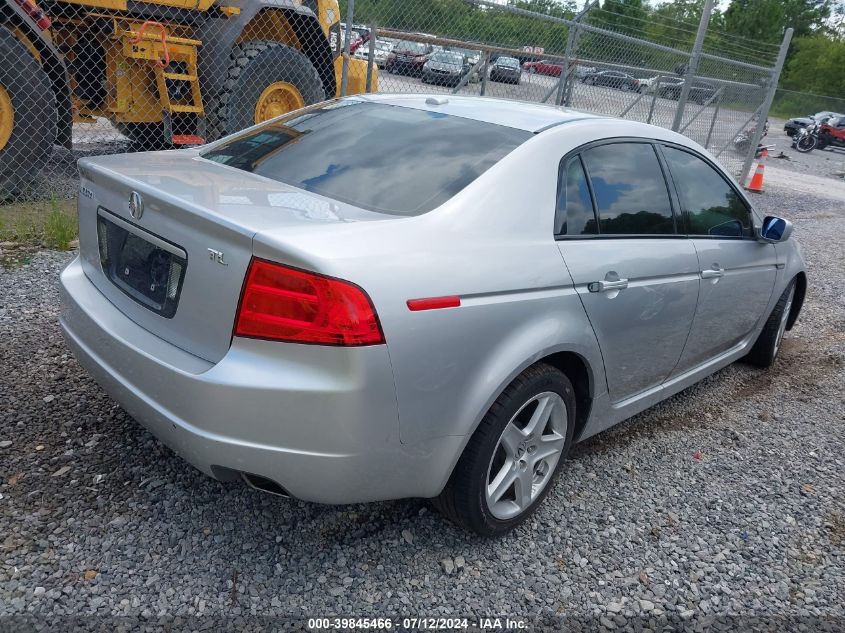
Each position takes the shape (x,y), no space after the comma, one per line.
(531,117)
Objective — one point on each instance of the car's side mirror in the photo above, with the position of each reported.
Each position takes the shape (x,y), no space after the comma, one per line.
(774,229)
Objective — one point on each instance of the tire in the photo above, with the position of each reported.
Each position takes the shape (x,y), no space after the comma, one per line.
(465,499)
(28,121)
(532,71)
(807,144)
(253,67)
(768,344)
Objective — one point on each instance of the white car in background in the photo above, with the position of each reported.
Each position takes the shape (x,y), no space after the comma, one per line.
(380,53)
(647,85)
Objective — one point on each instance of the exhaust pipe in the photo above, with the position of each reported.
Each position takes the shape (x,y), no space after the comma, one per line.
(264,485)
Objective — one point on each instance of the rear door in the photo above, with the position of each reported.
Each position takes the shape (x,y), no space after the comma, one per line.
(737,272)
(636,276)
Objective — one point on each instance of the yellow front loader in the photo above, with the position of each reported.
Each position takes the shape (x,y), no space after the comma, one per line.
(164,72)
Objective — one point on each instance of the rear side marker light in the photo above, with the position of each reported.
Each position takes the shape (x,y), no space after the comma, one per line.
(434,303)
(281,303)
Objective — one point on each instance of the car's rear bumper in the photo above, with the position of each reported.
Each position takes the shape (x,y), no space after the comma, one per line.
(441,79)
(406,68)
(505,76)
(319,421)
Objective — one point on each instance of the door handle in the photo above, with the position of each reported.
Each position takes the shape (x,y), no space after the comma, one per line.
(606,286)
(713,273)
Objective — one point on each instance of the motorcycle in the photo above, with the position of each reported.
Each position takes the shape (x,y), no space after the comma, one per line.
(743,139)
(807,139)
(831,133)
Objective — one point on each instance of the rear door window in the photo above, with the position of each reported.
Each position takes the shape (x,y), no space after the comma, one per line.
(713,208)
(630,189)
(384,158)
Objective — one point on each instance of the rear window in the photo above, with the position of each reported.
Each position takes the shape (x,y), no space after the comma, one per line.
(380,157)
(411,47)
(448,58)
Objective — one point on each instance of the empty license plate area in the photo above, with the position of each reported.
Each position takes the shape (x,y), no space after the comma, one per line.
(144,266)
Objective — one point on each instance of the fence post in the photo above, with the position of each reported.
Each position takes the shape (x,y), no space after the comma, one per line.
(692,67)
(486,72)
(564,92)
(767,103)
(371,57)
(715,117)
(654,92)
(347,41)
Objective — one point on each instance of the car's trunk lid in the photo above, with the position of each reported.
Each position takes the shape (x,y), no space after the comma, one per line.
(177,267)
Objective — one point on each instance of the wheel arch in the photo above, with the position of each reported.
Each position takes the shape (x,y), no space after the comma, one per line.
(575,367)
(798,299)
(51,61)
(285,21)
(571,361)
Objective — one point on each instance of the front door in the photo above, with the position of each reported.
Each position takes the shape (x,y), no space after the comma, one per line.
(737,272)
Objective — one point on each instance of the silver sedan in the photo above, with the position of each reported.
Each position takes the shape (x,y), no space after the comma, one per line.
(407,296)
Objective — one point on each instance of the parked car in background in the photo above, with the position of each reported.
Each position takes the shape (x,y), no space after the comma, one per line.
(408,58)
(699,91)
(473,56)
(648,84)
(506,70)
(426,309)
(796,124)
(445,68)
(543,67)
(580,71)
(612,79)
(382,50)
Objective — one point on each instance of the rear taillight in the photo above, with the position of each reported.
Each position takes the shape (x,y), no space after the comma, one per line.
(281,303)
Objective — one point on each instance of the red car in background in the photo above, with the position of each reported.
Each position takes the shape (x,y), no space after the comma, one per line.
(542,68)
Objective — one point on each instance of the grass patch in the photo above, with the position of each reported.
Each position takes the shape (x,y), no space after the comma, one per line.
(51,223)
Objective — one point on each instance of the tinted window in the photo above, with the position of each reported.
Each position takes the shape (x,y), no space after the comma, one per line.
(630,190)
(713,207)
(411,47)
(508,61)
(380,157)
(448,58)
(575,207)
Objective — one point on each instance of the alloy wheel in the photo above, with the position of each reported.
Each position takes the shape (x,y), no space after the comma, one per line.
(783,320)
(526,455)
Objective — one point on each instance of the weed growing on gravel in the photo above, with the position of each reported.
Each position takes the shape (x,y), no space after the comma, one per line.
(60,227)
(51,223)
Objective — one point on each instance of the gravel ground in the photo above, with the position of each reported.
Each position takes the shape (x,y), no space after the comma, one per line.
(726,501)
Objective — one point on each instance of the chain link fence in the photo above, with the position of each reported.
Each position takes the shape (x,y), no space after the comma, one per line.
(84,77)
(789,104)
(711,90)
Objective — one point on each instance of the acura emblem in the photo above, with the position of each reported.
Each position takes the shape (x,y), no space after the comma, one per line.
(136,205)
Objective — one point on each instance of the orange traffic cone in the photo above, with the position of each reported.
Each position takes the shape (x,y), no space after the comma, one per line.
(756,184)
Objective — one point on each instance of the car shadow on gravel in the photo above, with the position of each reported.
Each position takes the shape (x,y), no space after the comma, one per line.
(703,405)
